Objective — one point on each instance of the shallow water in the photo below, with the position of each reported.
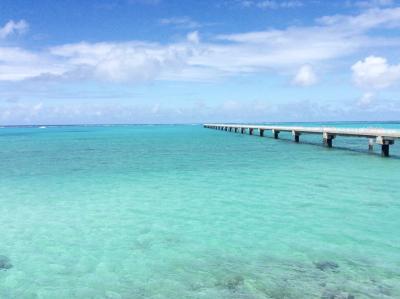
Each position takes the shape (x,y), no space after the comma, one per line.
(186,212)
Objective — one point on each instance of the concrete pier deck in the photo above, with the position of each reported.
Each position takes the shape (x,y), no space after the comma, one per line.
(383,137)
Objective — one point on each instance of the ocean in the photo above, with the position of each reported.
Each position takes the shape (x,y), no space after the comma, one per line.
(179,211)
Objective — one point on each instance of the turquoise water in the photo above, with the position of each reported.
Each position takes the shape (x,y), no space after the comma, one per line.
(186,212)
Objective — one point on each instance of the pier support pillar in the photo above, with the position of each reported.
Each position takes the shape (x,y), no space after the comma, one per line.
(261,132)
(328,142)
(242,130)
(236,129)
(385,150)
(385,142)
(371,144)
(296,136)
(251,131)
(328,138)
(275,133)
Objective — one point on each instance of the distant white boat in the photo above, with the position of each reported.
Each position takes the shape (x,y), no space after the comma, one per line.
(42,127)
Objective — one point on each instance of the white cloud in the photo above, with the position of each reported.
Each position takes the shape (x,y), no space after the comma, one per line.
(193,37)
(14,54)
(366,99)
(132,61)
(305,76)
(18,64)
(373,3)
(372,18)
(375,73)
(12,27)
(289,48)
(180,22)
(271,4)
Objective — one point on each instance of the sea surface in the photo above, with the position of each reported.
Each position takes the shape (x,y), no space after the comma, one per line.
(154,211)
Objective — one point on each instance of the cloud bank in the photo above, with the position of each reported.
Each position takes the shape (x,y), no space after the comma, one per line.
(289,50)
(335,41)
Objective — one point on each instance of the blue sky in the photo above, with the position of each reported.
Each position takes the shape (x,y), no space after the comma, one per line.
(164,61)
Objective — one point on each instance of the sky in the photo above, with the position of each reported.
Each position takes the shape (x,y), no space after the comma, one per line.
(173,61)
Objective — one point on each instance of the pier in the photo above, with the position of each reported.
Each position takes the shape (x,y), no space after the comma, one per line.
(381,137)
